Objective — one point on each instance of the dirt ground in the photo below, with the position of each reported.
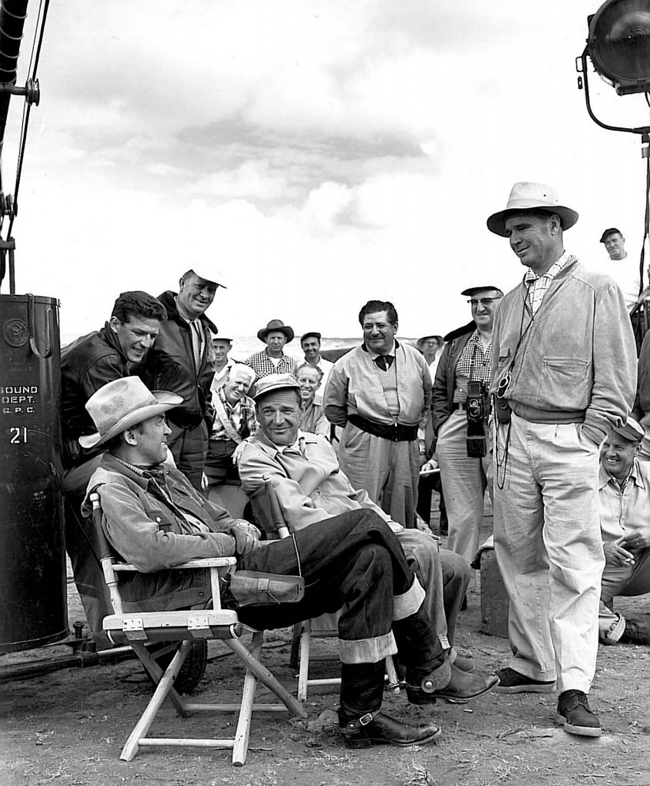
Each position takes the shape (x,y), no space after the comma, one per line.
(68,727)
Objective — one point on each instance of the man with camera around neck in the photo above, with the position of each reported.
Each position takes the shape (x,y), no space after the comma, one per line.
(564,374)
(463,444)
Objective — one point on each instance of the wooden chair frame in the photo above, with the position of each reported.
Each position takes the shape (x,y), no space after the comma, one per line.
(268,513)
(139,628)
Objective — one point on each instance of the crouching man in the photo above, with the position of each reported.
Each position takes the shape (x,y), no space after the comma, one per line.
(624,496)
(154,518)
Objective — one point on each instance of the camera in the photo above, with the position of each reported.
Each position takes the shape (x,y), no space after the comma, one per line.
(478,412)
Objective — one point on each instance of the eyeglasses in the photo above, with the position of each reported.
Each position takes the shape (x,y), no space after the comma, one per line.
(484,301)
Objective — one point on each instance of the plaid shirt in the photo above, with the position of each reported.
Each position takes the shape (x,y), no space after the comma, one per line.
(262,365)
(537,285)
(247,420)
(473,364)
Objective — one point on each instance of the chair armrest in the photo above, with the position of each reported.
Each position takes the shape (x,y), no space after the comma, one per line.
(208,562)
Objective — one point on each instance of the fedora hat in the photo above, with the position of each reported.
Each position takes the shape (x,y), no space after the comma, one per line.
(273,382)
(124,403)
(531,196)
(276,325)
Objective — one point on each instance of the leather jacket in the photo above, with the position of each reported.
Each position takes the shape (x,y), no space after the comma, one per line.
(445,381)
(171,364)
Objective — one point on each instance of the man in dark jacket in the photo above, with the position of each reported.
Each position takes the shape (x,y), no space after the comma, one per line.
(464,360)
(117,350)
(181,362)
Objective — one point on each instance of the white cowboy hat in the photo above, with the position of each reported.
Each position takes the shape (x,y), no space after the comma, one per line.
(531,196)
(123,403)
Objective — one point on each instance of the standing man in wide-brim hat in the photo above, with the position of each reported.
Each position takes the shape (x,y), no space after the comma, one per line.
(272,360)
(563,374)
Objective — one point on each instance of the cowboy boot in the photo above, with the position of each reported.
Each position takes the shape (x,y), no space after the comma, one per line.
(458,688)
(361,722)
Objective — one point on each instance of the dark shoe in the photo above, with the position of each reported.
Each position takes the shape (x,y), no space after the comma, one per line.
(375,728)
(574,714)
(511,681)
(461,688)
(635,633)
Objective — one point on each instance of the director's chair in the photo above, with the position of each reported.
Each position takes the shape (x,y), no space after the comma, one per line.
(139,628)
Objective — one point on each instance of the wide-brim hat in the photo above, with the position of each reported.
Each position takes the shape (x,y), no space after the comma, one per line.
(124,403)
(473,290)
(420,342)
(273,382)
(276,325)
(632,430)
(531,196)
(214,276)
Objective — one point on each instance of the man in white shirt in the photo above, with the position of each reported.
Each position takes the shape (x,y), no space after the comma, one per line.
(622,268)
(624,497)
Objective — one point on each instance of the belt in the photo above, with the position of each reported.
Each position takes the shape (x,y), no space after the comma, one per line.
(395,432)
(459,405)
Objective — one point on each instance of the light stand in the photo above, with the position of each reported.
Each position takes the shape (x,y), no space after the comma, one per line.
(619,49)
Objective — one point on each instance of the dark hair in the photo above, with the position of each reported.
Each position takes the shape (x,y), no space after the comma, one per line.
(138,304)
(372,306)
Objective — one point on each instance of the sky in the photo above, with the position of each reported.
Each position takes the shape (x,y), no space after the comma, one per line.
(313,154)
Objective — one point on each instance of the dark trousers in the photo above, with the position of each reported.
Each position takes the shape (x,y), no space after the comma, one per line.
(351,562)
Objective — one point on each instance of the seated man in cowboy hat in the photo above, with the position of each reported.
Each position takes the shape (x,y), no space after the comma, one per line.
(272,360)
(234,420)
(181,361)
(154,519)
(624,497)
(310,488)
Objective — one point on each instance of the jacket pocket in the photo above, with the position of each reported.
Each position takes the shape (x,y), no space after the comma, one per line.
(564,383)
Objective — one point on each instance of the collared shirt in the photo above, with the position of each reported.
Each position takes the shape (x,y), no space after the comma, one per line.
(196,332)
(474,364)
(242,417)
(624,509)
(262,364)
(383,360)
(538,285)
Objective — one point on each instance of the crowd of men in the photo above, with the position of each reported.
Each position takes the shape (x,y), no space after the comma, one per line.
(531,400)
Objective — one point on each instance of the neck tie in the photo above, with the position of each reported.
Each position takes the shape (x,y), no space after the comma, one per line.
(384,361)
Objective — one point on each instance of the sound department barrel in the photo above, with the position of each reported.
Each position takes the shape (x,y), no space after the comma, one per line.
(33,599)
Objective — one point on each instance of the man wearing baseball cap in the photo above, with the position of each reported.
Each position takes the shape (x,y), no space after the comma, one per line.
(624,495)
(564,374)
(622,268)
(154,519)
(465,474)
(182,361)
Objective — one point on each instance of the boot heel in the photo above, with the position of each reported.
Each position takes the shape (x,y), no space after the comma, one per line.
(357,742)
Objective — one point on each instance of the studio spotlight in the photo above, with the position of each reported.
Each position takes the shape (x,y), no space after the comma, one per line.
(619,44)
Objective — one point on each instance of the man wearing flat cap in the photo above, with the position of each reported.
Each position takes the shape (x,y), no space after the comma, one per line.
(154,519)
(464,367)
(310,343)
(272,360)
(563,374)
(624,496)
(181,361)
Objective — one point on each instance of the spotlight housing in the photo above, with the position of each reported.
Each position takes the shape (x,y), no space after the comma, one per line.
(619,44)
